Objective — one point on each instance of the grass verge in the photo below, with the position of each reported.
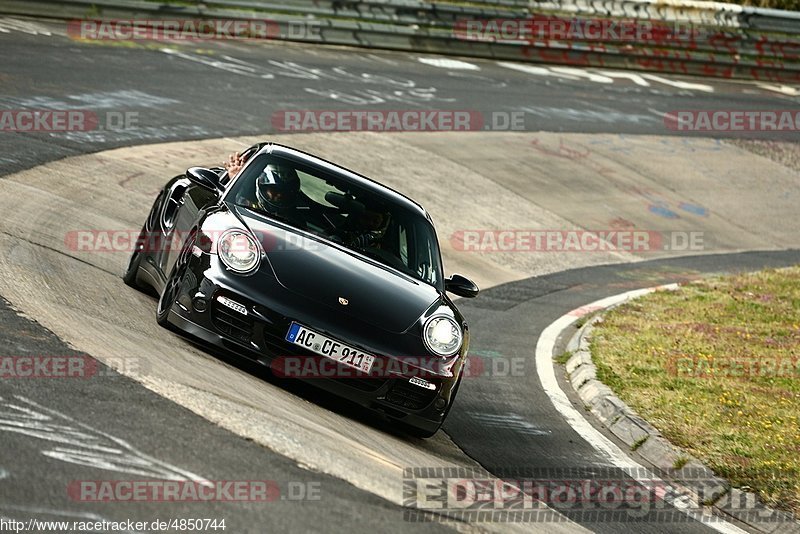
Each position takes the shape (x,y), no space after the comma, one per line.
(715,366)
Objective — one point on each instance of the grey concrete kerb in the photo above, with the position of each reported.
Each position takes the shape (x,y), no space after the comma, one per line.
(671,462)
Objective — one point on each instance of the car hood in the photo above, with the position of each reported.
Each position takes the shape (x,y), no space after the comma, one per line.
(339,279)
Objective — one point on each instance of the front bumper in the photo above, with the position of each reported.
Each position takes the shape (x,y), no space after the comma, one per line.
(259,335)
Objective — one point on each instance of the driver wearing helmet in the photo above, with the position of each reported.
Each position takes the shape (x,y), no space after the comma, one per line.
(277,192)
(277,188)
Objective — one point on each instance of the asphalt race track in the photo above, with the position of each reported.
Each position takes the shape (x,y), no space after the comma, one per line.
(594,153)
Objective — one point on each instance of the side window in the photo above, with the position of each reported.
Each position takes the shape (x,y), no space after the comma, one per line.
(424,261)
(402,235)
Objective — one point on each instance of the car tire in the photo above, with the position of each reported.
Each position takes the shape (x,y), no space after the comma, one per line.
(168,297)
(131,276)
(173,286)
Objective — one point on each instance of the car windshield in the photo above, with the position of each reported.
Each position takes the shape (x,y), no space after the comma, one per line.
(332,207)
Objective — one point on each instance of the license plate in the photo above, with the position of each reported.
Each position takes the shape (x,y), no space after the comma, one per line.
(330,348)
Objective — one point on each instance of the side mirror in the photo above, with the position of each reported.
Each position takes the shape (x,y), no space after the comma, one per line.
(205,178)
(461,286)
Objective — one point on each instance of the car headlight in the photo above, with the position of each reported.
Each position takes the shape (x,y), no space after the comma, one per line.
(442,335)
(239,251)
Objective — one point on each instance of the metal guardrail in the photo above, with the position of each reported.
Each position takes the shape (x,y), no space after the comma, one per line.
(732,42)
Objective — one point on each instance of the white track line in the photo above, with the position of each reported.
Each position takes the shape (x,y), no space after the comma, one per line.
(616,456)
(447,63)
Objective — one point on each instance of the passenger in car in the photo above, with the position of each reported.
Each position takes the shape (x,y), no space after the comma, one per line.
(366,229)
(236,160)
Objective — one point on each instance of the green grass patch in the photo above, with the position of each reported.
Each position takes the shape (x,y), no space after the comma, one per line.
(715,366)
(680,462)
(638,443)
(563,358)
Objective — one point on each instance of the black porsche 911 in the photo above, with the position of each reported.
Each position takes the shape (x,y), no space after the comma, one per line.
(314,270)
